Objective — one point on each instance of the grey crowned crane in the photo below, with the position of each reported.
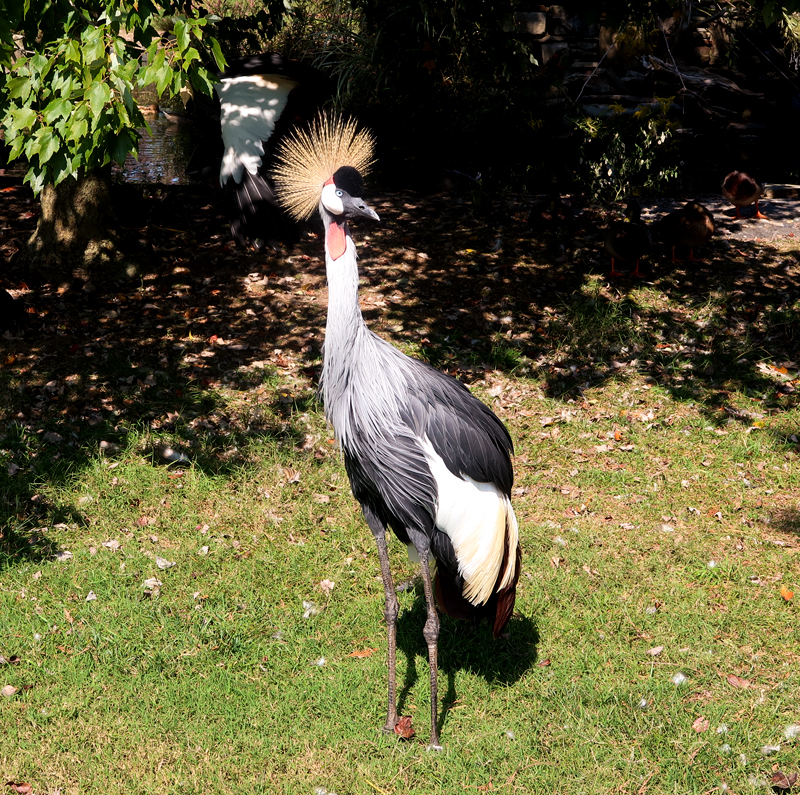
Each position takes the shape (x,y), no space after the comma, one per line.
(423,456)
(261,98)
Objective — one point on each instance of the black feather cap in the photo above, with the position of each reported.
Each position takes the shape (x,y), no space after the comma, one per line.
(349,180)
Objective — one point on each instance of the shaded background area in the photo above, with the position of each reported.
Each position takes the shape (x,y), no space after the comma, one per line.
(201,342)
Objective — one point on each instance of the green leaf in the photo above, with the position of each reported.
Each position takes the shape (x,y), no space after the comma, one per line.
(77,162)
(203,80)
(130,103)
(181,32)
(155,63)
(60,168)
(62,84)
(190,55)
(16,147)
(23,118)
(32,146)
(124,144)
(72,51)
(57,109)
(19,88)
(163,79)
(219,58)
(177,82)
(98,94)
(35,179)
(93,45)
(49,144)
(126,71)
(78,129)
(39,65)
(119,51)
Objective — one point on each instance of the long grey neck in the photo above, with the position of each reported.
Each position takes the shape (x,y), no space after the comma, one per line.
(345,327)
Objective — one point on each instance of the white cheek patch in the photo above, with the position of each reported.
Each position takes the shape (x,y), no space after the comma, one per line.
(330,201)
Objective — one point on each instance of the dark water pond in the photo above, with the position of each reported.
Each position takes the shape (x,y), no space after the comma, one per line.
(164,154)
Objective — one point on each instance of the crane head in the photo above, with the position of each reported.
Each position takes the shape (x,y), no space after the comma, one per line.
(341,195)
(308,160)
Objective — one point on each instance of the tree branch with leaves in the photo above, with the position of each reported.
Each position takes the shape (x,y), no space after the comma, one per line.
(70,73)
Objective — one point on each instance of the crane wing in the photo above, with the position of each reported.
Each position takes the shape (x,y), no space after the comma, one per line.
(250,106)
(465,432)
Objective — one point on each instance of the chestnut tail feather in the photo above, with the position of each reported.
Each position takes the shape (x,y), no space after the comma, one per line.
(506,597)
(498,608)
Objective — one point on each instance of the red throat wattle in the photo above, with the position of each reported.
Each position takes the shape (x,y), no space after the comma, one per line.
(336,240)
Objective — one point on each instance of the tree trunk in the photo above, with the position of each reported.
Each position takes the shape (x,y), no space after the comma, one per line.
(76,234)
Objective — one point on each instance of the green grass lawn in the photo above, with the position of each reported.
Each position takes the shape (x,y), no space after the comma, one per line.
(217,626)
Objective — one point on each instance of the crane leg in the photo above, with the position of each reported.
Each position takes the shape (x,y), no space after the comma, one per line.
(390,613)
(431,635)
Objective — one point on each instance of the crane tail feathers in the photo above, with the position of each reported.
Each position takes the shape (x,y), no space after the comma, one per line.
(255,213)
(499,607)
(507,594)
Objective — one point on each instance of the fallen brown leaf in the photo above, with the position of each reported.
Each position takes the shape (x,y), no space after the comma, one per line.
(403,728)
(22,788)
(591,572)
(700,725)
(361,653)
(782,781)
(737,681)
(786,593)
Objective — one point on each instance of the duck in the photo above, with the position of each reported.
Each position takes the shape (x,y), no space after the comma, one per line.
(628,240)
(175,116)
(553,219)
(740,189)
(687,227)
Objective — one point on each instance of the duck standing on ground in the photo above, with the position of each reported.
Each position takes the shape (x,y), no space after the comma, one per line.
(688,227)
(628,240)
(740,189)
(553,219)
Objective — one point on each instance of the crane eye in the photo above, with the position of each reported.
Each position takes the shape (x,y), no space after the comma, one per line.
(340,193)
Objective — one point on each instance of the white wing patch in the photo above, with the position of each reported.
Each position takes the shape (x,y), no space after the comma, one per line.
(476,517)
(250,106)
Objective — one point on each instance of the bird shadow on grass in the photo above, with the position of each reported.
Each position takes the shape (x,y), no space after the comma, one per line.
(787,520)
(464,646)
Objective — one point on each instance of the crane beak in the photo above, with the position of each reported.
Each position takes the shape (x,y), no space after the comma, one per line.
(360,209)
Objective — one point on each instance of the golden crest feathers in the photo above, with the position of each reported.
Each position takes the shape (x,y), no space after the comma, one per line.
(307,159)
